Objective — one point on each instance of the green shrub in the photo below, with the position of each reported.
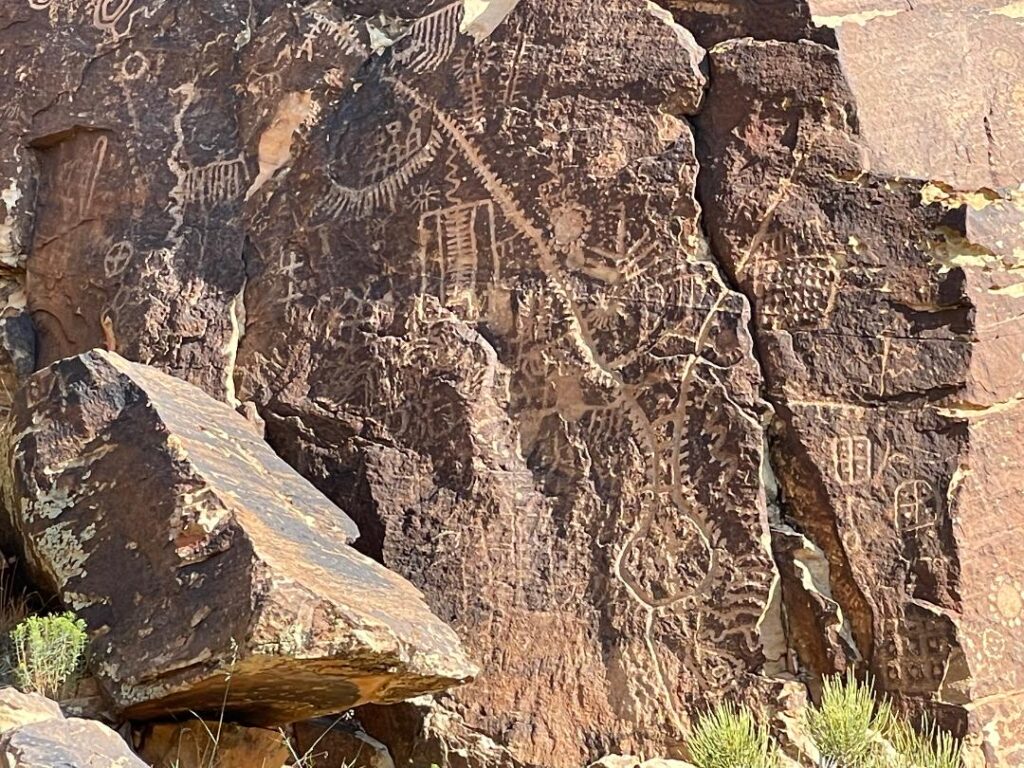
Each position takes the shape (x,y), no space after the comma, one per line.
(849,727)
(932,748)
(728,737)
(46,653)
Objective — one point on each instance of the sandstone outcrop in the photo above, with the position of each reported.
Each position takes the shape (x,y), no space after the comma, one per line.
(668,348)
(523,375)
(209,573)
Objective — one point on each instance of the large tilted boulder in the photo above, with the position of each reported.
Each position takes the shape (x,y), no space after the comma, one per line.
(207,570)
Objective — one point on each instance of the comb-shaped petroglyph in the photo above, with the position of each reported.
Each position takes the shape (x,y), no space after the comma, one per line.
(392,159)
(459,253)
(343,37)
(215,182)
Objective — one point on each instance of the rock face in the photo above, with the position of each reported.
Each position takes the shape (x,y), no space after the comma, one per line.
(523,375)
(35,734)
(208,571)
(879,241)
(614,423)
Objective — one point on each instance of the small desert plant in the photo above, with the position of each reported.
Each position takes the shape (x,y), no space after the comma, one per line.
(930,748)
(849,727)
(46,653)
(728,737)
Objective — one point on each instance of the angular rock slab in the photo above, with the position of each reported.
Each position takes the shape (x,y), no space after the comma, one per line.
(60,743)
(35,734)
(193,552)
(18,709)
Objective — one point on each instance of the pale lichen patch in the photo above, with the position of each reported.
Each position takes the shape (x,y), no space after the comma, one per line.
(65,555)
(49,505)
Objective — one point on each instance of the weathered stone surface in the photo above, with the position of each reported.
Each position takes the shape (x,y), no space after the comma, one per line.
(451,252)
(717,20)
(60,743)
(877,238)
(17,708)
(624,761)
(524,377)
(196,744)
(208,571)
(17,353)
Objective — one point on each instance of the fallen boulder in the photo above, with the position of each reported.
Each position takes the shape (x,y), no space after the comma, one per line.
(35,734)
(71,743)
(17,709)
(211,575)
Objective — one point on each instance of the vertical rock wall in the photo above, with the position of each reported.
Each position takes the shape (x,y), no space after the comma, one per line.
(528,287)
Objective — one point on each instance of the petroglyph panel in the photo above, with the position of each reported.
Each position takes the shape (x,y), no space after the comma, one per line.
(215,182)
(897,416)
(555,368)
(453,254)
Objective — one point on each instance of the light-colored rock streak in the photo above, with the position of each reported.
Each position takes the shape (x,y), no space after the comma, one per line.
(861,18)
(481,17)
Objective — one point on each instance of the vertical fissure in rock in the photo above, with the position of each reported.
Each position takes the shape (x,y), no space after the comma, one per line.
(773,496)
(794,552)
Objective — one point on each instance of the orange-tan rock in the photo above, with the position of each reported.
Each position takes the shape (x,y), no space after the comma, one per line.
(201,744)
